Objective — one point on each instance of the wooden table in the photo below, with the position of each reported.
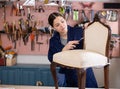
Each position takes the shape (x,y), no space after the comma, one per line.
(37,87)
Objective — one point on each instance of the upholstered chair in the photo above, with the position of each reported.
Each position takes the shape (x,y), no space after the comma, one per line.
(95,54)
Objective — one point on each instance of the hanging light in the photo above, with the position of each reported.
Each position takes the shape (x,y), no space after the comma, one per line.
(52,3)
(29,3)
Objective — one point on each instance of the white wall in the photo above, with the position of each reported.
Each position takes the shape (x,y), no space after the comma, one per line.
(32,59)
(115,73)
(114,68)
(114,77)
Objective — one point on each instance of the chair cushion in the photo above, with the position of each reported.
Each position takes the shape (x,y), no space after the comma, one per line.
(80,58)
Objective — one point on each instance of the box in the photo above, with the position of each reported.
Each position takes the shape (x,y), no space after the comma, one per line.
(11,62)
(2,61)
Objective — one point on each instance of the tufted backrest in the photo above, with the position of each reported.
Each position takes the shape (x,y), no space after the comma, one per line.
(96,38)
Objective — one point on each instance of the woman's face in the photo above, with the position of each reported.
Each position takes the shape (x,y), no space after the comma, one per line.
(60,25)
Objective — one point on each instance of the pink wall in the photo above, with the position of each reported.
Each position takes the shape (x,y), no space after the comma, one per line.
(26,49)
(22,49)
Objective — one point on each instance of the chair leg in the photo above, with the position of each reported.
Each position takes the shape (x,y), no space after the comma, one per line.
(53,71)
(81,78)
(106,76)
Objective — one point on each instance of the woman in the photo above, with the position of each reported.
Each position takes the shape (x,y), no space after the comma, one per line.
(64,38)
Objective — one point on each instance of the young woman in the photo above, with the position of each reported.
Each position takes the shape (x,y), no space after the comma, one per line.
(66,37)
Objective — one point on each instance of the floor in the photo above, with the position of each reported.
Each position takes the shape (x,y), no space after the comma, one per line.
(38,87)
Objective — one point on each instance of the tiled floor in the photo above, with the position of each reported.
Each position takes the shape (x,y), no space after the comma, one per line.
(38,87)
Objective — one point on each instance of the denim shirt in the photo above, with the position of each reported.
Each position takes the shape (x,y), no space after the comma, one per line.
(55,45)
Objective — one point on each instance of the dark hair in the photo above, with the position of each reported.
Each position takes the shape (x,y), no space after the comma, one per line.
(52,16)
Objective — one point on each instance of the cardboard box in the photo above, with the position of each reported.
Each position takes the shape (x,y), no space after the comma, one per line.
(11,62)
(2,61)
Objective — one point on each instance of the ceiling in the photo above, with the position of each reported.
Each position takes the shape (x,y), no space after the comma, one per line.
(74,0)
(9,1)
(96,0)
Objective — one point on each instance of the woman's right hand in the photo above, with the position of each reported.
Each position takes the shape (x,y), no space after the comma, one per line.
(70,45)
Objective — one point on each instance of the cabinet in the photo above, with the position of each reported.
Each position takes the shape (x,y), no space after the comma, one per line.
(26,74)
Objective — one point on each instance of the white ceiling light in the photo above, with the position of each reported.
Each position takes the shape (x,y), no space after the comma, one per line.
(52,3)
(29,3)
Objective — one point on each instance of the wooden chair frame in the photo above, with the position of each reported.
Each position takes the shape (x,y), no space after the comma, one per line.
(82,71)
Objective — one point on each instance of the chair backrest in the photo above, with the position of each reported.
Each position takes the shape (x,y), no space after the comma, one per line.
(97,38)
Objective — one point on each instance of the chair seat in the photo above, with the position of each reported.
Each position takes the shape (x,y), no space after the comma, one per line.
(80,58)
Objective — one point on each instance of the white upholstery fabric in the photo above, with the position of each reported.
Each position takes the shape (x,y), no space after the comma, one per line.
(93,55)
(96,36)
(80,58)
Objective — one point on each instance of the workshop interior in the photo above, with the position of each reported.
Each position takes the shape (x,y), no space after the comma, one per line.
(25,34)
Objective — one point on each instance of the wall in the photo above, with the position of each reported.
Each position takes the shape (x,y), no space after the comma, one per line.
(32,59)
(41,19)
(43,16)
(114,77)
